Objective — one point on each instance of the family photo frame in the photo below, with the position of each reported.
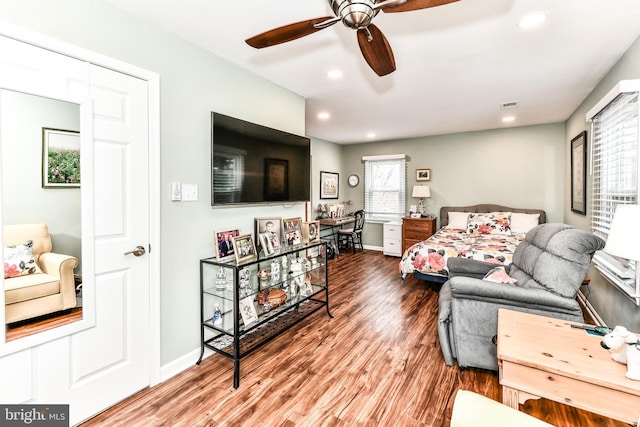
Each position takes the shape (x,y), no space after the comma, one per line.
(223,241)
(244,248)
(268,232)
(310,231)
(292,228)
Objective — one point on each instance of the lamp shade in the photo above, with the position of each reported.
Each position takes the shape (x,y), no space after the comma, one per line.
(624,235)
(421,191)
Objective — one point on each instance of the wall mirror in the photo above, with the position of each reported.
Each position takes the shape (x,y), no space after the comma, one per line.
(41,179)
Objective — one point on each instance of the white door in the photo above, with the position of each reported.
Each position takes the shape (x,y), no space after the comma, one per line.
(111,360)
(95,367)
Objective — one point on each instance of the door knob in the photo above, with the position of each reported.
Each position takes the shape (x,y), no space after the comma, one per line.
(138,251)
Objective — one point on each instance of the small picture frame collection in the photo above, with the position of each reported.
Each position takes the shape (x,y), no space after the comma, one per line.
(270,235)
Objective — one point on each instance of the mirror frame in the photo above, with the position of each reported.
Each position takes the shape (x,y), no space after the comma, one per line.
(87,226)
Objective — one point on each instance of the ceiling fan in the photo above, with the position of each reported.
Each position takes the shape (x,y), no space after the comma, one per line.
(354,14)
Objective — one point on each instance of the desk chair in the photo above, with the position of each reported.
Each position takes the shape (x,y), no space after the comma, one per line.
(351,236)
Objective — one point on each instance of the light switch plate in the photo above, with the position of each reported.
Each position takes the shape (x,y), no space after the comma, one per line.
(189,192)
(176,192)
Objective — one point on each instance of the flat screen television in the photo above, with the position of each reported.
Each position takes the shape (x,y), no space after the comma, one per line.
(253,164)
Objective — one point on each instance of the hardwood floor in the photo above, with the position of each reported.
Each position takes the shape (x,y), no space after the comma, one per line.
(377,363)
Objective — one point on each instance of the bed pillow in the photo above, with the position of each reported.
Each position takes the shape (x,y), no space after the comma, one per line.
(19,260)
(489,223)
(521,222)
(457,220)
(499,275)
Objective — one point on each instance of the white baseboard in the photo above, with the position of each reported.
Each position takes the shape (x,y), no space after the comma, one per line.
(175,367)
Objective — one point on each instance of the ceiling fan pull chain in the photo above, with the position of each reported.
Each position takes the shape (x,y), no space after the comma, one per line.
(369,36)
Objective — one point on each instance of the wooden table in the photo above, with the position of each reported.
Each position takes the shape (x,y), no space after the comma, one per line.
(544,357)
(334,224)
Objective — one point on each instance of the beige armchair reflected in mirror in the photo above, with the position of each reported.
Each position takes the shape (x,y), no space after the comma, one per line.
(34,210)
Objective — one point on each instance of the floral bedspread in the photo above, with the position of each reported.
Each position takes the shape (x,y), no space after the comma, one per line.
(430,256)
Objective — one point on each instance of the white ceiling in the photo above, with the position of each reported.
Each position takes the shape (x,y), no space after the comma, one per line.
(455,63)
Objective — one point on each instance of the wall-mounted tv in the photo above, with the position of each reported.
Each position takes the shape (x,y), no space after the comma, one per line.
(253,164)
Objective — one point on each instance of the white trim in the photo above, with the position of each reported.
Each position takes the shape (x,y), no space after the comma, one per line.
(623,86)
(384,157)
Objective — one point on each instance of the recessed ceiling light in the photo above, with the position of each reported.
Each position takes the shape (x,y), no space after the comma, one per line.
(371,135)
(334,74)
(508,119)
(532,20)
(324,115)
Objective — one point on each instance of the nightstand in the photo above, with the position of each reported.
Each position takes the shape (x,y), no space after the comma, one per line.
(415,230)
(392,236)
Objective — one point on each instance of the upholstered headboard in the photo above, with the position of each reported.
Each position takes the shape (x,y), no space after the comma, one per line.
(486,208)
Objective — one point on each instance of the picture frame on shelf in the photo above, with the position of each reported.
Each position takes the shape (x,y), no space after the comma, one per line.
(265,244)
(423,174)
(329,185)
(244,248)
(272,228)
(579,173)
(292,231)
(223,241)
(310,231)
(60,158)
(248,311)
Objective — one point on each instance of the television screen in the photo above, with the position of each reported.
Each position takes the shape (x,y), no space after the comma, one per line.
(255,164)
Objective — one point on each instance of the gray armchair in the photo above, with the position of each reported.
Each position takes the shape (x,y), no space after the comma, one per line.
(549,266)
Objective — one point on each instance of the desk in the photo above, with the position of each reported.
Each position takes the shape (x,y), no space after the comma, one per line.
(545,357)
(334,224)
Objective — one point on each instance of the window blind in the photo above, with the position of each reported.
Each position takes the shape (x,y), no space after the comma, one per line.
(614,160)
(615,131)
(385,186)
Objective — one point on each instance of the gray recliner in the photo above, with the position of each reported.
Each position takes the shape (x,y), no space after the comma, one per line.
(549,266)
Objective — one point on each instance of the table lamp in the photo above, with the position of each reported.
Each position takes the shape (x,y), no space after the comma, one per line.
(421,191)
(624,235)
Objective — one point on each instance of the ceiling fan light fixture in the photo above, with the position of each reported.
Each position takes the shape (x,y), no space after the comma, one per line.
(532,20)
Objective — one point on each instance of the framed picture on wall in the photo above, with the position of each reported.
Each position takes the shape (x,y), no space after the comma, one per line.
(60,158)
(579,173)
(423,174)
(276,179)
(329,185)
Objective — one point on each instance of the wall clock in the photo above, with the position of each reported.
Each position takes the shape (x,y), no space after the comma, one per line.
(354,180)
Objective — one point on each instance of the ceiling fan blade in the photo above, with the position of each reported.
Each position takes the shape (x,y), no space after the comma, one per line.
(410,5)
(376,50)
(289,32)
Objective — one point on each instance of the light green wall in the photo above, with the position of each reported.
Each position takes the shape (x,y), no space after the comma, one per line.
(611,304)
(193,83)
(521,167)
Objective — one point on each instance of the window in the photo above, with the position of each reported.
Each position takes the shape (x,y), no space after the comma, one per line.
(384,186)
(615,128)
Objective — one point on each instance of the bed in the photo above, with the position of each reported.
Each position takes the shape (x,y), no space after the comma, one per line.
(483,232)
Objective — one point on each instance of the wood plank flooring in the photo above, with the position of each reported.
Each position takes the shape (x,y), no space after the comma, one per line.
(377,363)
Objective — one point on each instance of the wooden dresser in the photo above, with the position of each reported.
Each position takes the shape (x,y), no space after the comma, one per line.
(415,230)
